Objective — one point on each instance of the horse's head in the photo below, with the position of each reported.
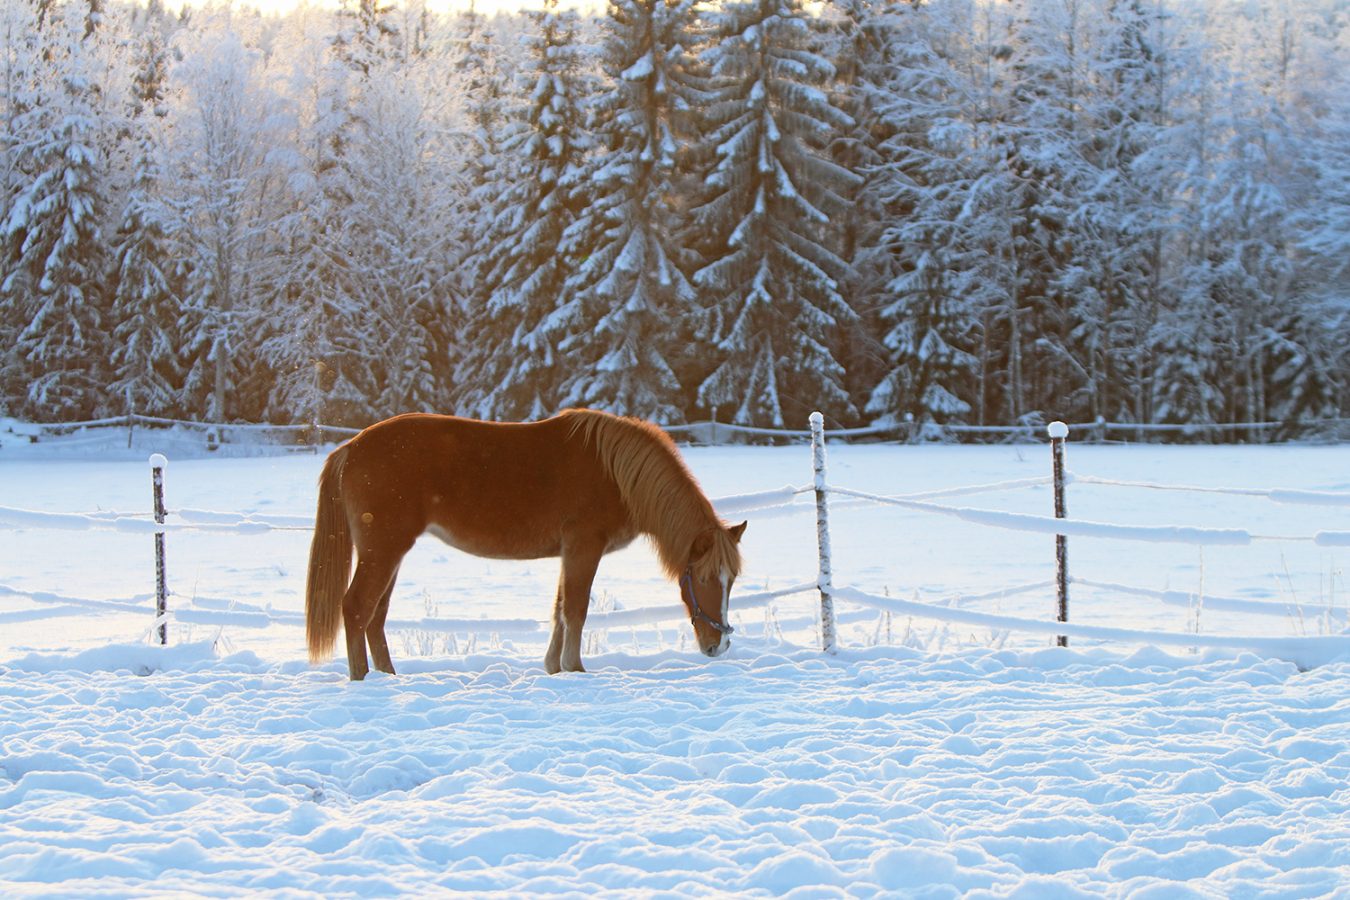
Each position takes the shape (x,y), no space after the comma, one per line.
(705,586)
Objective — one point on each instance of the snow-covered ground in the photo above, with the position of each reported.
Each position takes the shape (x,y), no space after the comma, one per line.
(927,758)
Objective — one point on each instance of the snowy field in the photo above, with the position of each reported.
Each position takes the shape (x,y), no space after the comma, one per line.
(927,758)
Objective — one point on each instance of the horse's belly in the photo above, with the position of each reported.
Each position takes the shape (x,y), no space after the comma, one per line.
(520,545)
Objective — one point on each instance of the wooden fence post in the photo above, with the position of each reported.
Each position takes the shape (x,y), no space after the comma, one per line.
(157,466)
(824,578)
(1058,432)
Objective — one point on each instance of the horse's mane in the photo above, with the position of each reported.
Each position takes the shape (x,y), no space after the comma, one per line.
(662,497)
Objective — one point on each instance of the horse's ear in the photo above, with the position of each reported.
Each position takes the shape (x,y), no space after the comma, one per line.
(736,531)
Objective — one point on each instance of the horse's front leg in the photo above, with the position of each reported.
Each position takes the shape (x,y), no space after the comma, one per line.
(553,656)
(579,562)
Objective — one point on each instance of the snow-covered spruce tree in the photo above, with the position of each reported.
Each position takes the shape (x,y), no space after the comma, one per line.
(1252,271)
(1248,209)
(481,76)
(1049,81)
(145,288)
(1312,379)
(618,318)
(857,35)
(327,339)
(406,185)
(397,227)
(960,232)
(1103,291)
(366,34)
(1187,387)
(1306,360)
(227,136)
(20,94)
(53,235)
(1302,86)
(1118,284)
(510,368)
(927,178)
(773,268)
(1143,93)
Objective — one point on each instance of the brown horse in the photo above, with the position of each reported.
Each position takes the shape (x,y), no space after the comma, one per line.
(577,486)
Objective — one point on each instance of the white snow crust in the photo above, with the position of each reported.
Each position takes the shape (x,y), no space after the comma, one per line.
(131,771)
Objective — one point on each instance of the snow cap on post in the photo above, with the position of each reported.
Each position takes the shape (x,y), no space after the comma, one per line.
(158,461)
(1058,431)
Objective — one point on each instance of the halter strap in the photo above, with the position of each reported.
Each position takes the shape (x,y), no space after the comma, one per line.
(695,613)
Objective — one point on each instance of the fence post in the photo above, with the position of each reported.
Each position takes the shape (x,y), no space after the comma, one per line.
(824,578)
(157,466)
(1058,432)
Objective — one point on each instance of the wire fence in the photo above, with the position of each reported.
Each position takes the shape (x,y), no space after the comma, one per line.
(1304,649)
(314,435)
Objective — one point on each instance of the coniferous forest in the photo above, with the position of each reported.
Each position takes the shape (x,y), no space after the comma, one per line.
(960,211)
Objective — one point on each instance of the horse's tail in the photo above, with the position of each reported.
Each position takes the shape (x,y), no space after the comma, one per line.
(330,561)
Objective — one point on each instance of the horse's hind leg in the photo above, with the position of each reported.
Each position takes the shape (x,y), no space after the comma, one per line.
(379,646)
(360,605)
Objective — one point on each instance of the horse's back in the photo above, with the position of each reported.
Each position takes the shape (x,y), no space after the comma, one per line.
(506,490)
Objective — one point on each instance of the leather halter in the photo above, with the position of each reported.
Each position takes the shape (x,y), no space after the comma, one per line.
(695,613)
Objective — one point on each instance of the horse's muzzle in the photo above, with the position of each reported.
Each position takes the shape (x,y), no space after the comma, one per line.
(712,651)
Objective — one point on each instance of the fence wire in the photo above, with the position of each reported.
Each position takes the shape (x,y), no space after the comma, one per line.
(221,613)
